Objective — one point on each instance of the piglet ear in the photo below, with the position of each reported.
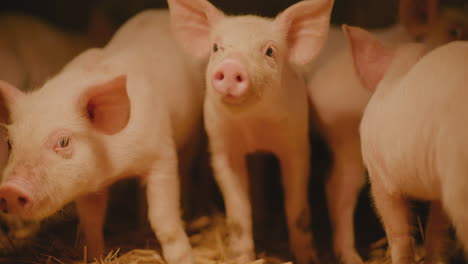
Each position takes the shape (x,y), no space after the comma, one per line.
(8,96)
(107,106)
(418,15)
(191,22)
(305,26)
(371,59)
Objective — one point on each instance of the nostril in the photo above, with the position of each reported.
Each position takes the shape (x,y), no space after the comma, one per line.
(3,205)
(219,76)
(239,78)
(4,227)
(22,201)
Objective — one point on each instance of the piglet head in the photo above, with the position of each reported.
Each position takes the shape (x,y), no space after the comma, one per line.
(450,25)
(418,16)
(427,22)
(250,56)
(53,140)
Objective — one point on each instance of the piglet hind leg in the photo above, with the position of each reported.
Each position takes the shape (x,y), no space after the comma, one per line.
(343,187)
(295,176)
(164,210)
(396,218)
(454,200)
(437,231)
(92,213)
(231,175)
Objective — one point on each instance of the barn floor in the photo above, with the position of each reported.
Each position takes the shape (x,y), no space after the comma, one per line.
(58,244)
(128,244)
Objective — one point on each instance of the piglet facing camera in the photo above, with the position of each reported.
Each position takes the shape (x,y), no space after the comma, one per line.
(414,141)
(256,100)
(128,109)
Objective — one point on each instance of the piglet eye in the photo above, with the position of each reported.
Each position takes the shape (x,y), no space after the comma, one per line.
(9,145)
(270,52)
(61,144)
(215,47)
(64,142)
(456,33)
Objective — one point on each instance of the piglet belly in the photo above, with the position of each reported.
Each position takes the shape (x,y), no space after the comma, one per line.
(416,186)
(404,172)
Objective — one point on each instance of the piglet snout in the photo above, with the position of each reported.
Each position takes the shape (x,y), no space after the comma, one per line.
(230,79)
(13,200)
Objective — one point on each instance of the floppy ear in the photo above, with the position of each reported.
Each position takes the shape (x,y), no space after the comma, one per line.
(305,25)
(192,22)
(418,15)
(371,59)
(8,96)
(107,106)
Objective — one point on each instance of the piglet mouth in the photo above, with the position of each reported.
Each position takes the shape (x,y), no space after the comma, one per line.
(232,99)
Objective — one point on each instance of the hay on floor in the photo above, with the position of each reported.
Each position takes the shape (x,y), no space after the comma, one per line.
(208,239)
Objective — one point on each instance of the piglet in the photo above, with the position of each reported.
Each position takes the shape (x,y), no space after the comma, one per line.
(338,99)
(31,51)
(111,113)
(256,100)
(414,138)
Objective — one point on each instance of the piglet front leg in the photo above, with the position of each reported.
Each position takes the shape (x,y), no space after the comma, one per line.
(346,181)
(231,174)
(164,209)
(295,176)
(92,213)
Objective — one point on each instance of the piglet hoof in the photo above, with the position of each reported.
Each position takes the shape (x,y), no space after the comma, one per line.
(350,257)
(403,261)
(303,249)
(185,258)
(308,258)
(436,262)
(240,259)
(94,252)
(440,255)
(177,250)
(240,244)
(241,251)
(240,255)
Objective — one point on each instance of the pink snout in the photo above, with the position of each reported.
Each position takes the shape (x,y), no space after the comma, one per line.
(13,200)
(230,79)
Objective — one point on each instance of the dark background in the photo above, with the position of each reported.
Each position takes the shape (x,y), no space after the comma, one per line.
(74,14)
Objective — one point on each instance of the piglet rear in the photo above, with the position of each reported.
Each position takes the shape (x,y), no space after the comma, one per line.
(414,139)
